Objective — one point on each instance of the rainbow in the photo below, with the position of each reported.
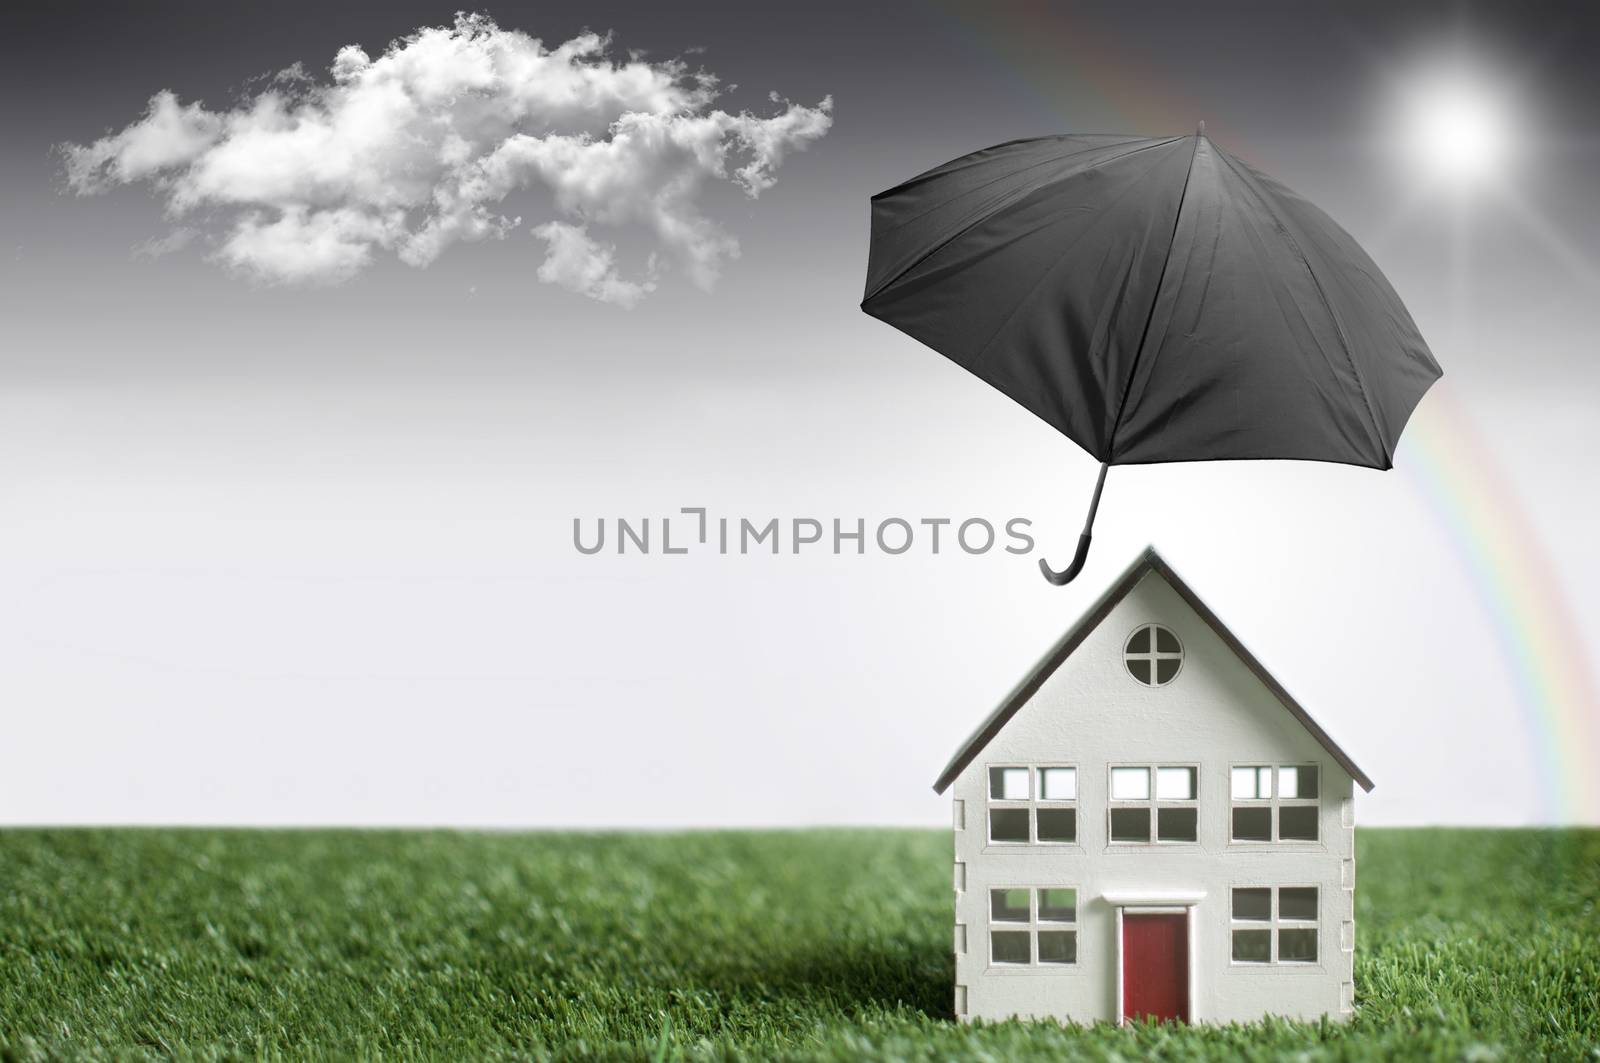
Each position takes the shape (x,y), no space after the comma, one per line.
(1068,67)
(1444,456)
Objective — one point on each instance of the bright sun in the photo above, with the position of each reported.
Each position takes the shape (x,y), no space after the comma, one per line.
(1457,129)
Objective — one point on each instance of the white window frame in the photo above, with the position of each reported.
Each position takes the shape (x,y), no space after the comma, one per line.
(1040,802)
(993,804)
(1032,804)
(1273,802)
(1033,926)
(1273,924)
(1154,804)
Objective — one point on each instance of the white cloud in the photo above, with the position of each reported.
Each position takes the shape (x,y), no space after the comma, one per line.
(169,136)
(309,246)
(579,264)
(419,148)
(171,243)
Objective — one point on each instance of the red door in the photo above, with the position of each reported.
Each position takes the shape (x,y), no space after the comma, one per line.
(1155,966)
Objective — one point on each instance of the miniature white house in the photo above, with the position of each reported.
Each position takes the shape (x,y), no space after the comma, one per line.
(1151,827)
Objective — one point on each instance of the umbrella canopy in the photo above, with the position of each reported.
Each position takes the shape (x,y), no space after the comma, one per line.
(1153,299)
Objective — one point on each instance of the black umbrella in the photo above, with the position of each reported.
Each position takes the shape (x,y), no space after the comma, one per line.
(1154,300)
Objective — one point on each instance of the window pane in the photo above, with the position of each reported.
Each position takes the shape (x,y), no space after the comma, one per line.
(1298,781)
(1251,902)
(1140,642)
(1009,946)
(1252,946)
(1058,946)
(1008,784)
(1008,906)
(1130,784)
(1177,824)
(1297,902)
(1252,824)
(1297,946)
(1058,784)
(1008,824)
(1263,782)
(1058,824)
(1140,669)
(1297,823)
(1058,905)
(1167,642)
(1175,784)
(1246,784)
(1130,824)
(1166,669)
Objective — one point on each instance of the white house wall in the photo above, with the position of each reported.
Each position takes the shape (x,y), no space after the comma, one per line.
(1091,714)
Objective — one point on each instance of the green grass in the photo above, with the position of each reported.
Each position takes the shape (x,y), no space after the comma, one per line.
(832,944)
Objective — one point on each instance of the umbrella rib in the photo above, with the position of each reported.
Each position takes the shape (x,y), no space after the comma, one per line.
(1017,309)
(986,212)
(1338,326)
(1155,299)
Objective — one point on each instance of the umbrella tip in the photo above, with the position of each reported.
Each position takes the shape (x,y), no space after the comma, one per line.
(1202,130)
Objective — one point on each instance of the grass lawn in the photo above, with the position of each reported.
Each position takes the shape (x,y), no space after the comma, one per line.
(127,943)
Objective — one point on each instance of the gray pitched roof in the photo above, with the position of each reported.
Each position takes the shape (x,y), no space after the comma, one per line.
(1146,562)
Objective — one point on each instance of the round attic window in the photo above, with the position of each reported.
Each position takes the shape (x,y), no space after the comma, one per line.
(1153,655)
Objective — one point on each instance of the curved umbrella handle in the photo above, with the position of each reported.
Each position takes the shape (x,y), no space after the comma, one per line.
(1067,575)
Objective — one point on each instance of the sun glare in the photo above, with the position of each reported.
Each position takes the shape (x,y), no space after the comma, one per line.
(1457,129)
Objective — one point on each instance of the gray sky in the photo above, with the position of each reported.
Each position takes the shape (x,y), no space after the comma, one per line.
(276,553)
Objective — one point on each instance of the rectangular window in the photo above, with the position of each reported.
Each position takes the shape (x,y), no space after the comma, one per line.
(1252,905)
(1055,812)
(1033,926)
(1010,798)
(1058,784)
(1008,906)
(1167,812)
(1058,946)
(1033,804)
(1177,824)
(1297,946)
(1130,824)
(1299,810)
(1252,783)
(1130,784)
(1297,781)
(1175,784)
(1298,902)
(1010,946)
(1252,824)
(1008,825)
(1275,804)
(1274,924)
(1058,824)
(1058,905)
(1252,946)
(1297,823)
(1008,784)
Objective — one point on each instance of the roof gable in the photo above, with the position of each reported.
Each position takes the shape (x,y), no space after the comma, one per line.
(1148,561)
